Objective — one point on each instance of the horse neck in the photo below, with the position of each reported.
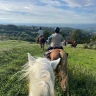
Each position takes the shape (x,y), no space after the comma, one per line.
(42,84)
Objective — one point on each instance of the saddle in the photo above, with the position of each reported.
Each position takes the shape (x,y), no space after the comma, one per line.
(47,54)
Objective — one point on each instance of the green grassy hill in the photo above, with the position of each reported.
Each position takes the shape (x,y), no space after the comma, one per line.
(81,69)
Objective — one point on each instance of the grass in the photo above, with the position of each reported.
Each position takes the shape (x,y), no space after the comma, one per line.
(81,69)
(82,74)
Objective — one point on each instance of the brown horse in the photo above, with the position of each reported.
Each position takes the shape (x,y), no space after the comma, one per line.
(61,69)
(42,41)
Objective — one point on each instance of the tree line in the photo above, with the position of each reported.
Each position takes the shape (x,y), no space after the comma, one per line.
(29,33)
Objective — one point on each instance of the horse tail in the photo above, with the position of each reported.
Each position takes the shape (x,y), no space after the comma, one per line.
(63,61)
(64,71)
(43,40)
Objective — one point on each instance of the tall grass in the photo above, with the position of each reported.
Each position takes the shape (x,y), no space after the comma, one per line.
(81,69)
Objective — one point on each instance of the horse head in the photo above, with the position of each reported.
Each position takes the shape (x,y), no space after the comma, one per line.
(41,76)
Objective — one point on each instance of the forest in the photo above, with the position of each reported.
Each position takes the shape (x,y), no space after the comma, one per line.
(30,33)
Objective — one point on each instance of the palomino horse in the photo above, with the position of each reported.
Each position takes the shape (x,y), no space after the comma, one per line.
(42,41)
(62,66)
(40,76)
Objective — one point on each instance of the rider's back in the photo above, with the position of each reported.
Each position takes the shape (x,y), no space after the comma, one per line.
(56,40)
(40,32)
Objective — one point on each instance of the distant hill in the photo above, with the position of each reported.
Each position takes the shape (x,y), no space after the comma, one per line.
(92,30)
(76,26)
(29,33)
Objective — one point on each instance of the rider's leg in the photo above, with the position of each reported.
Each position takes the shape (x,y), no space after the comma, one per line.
(50,48)
(61,47)
(37,39)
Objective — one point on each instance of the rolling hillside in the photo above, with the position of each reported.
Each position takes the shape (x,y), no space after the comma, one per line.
(13,55)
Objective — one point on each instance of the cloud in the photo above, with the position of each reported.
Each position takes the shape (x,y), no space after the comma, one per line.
(79,3)
(47,11)
(52,2)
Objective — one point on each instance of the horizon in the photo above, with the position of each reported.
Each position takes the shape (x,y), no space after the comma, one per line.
(47,11)
(80,26)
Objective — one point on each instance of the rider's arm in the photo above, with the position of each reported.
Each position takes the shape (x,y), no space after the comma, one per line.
(38,33)
(50,37)
(62,39)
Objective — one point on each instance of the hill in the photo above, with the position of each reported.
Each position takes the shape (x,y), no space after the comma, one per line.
(29,33)
(91,30)
(13,55)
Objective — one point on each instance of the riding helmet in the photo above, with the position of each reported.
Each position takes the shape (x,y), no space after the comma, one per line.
(57,29)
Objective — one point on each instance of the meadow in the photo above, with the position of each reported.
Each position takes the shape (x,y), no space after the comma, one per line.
(13,55)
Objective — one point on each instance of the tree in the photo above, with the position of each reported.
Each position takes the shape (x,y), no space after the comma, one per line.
(46,34)
(75,35)
(80,36)
(63,34)
(93,38)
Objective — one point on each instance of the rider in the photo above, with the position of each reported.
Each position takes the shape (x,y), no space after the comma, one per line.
(74,44)
(40,32)
(56,39)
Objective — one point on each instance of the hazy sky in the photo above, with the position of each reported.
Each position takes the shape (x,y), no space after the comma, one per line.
(48,11)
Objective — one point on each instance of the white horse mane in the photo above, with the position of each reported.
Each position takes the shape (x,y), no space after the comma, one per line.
(40,75)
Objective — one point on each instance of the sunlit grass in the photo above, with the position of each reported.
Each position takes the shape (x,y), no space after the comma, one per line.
(81,69)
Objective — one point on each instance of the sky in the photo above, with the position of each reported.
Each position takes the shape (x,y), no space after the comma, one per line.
(48,11)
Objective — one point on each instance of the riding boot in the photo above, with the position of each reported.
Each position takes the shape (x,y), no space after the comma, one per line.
(38,40)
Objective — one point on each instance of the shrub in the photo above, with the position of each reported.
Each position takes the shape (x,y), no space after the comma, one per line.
(92,45)
(85,46)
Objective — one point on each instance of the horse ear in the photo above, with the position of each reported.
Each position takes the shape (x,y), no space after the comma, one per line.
(54,63)
(30,58)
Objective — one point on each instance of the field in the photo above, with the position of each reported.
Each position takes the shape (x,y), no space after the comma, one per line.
(81,69)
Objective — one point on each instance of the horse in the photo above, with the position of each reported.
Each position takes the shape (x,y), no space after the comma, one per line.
(61,70)
(74,44)
(42,41)
(40,75)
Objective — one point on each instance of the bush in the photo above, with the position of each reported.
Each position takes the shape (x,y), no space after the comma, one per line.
(92,45)
(85,46)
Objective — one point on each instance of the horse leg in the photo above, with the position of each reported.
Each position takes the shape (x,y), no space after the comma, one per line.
(66,89)
(67,92)
(43,46)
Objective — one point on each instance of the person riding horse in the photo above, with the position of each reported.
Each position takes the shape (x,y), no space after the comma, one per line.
(40,32)
(55,40)
(54,52)
(41,40)
(74,44)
